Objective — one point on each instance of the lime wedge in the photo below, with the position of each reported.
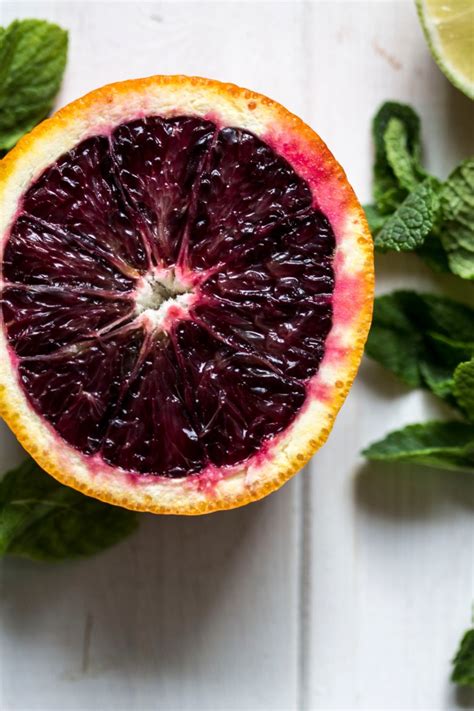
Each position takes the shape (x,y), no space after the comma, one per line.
(449,29)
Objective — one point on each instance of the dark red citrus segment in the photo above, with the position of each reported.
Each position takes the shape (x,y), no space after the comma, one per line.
(152,431)
(275,297)
(158,161)
(38,255)
(246,185)
(236,400)
(79,194)
(77,390)
(42,320)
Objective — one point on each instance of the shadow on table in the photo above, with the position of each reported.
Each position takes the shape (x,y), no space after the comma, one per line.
(153,606)
(409,492)
(464,697)
(406,493)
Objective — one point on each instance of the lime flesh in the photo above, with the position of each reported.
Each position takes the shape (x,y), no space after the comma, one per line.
(449,30)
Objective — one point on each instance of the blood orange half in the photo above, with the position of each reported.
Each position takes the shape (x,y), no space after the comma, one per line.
(187,284)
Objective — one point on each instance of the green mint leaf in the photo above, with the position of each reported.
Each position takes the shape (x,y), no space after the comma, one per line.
(461,263)
(437,367)
(456,229)
(32,61)
(438,377)
(394,340)
(421,338)
(449,318)
(444,445)
(403,140)
(375,219)
(433,254)
(413,221)
(463,387)
(463,662)
(404,163)
(44,520)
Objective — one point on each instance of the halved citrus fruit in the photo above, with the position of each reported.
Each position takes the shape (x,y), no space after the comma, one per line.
(449,29)
(186,292)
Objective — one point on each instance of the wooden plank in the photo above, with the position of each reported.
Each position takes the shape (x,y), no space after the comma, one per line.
(390,579)
(189,614)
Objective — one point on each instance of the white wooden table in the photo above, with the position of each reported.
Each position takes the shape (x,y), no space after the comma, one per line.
(349,588)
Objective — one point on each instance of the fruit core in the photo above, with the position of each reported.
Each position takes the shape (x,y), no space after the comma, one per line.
(167,294)
(161,299)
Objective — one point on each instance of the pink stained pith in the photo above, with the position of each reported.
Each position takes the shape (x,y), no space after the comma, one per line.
(180,386)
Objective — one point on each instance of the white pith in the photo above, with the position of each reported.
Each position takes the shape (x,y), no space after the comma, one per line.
(160,298)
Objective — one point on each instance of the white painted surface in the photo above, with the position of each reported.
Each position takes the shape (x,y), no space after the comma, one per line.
(350,587)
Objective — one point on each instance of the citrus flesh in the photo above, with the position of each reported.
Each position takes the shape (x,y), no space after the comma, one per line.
(449,29)
(186,290)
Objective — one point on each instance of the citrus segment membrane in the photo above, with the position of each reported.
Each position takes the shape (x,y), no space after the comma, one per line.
(274,297)
(41,254)
(78,195)
(245,186)
(168,293)
(78,388)
(235,397)
(44,319)
(156,163)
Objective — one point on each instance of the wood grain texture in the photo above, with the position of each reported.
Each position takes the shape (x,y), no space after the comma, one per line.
(349,588)
(391,547)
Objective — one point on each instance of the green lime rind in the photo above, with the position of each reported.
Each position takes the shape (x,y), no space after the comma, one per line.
(455,78)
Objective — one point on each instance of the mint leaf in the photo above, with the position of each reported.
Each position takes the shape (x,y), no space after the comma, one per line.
(445,445)
(438,377)
(421,338)
(449,318)
(394,340)
(44,520)
(413,221)
(396,133)
(413,211)
(463,662)
(438,366)
(375,219)
(433,254)
(456,229)
(404,163)
(32,61)
(463,387)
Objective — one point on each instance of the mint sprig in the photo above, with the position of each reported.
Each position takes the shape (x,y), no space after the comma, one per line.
(43,520)
(413,211)
(32,60)
(427,341)
(397,168)
(422,338)
(463,662)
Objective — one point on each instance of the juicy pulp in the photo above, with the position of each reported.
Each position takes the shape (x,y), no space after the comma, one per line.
(235,258)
